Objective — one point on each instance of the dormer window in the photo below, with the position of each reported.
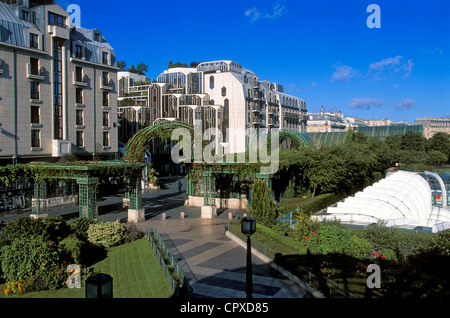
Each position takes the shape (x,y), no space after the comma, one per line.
(97,36)
(56,19)
(78,51)
(24,15)
(34,41)
(105,58)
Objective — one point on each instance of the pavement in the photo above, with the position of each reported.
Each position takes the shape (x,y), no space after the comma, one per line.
(213,264)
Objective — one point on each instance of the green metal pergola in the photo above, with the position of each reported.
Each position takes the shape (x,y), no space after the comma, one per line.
(208,174)
(87,176)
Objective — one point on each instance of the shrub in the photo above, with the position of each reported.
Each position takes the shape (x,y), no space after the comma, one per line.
(329,238)
(442,243)
(262,207)
(55,228)
(387,254)
(360,247)
(71,248)
(24,258)
(80,227)
(106,234)
(381,236)
(24,228)
(132,233)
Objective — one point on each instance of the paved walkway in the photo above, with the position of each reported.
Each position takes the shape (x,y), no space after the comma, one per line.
(214,265)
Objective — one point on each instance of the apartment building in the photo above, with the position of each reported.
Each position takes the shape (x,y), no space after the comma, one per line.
(222,94)
(57,85)
(433,125)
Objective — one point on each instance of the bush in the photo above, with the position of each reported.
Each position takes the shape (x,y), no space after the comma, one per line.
(360,247)
(132,233)
(24,258)
(381,236)
(387,254)
(71,248)
(329,238)
(24,228)
(80,227)
(55,228)
(106,234)
(262,207)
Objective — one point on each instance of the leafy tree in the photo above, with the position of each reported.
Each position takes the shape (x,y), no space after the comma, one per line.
(122,65)
(142,68)
(436,157)
(413,141)
(440,142)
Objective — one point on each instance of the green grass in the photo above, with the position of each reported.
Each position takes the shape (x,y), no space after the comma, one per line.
(135,270)
(294,203)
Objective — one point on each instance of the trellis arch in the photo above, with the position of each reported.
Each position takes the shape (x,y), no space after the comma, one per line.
(302,139)
(135,148)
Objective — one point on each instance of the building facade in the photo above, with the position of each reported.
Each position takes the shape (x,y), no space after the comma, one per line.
(227,98)
(57,85)
(433,125)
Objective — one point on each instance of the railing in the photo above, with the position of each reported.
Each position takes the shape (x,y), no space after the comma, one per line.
(172,271)
(330,288)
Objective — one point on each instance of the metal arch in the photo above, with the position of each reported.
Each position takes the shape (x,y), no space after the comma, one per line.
(302,139)
(441,183)
(135,148)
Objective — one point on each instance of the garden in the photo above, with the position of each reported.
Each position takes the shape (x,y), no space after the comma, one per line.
(413,263)
(35,255)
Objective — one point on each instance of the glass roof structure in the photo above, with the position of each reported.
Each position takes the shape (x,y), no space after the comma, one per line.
(329,138)
(402,199)
(384,131)
(380,132)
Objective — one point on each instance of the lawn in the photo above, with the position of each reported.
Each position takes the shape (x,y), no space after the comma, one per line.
(135,270)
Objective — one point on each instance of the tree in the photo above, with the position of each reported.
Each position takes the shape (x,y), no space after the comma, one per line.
(440,142)
(436,157)
(122,65)
(413,141)
(142,68)
(262,208)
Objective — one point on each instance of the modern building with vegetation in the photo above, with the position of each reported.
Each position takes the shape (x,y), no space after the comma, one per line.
(222,94)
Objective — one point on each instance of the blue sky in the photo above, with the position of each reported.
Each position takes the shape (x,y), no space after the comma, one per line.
(321,50)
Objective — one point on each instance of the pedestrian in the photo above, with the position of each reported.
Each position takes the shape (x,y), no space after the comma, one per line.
(2,225)
(179,186)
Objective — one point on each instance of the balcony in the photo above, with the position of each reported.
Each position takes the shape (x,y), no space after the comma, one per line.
(59,31)
(79,79)
(35,73)
(106,85)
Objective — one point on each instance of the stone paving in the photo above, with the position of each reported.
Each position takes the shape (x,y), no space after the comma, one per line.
(214,265)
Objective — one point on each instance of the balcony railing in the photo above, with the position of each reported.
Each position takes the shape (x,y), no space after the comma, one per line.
(79,79)
(35,73)
(106,84)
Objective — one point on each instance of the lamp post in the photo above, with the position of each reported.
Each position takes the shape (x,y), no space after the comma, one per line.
(248,227)
(99,286)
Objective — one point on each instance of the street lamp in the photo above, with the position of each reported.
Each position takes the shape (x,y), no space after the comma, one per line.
(248,227)
(99,286)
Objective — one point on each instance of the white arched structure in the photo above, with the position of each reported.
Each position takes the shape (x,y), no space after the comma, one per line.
(401,199)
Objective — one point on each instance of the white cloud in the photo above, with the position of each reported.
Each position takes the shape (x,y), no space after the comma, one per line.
(395,64)
(406,104)
(343,73)
(256,14)
(365,103)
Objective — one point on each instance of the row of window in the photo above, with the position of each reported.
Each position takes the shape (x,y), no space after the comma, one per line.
(36,138)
